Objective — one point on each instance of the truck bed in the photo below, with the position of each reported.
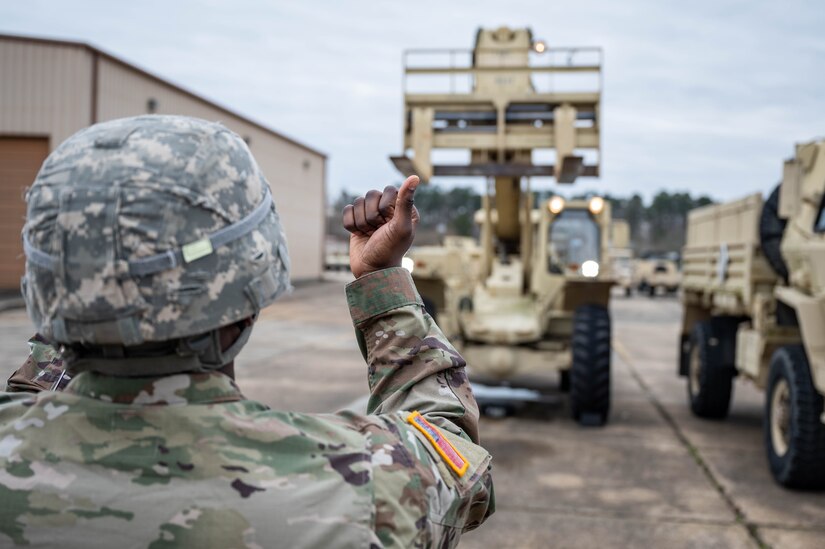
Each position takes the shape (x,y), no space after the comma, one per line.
(723,266)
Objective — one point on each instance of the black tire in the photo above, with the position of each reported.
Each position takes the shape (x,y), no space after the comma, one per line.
(590,372)
(651,291)
(685,346)
(771,229)
(709,383)
(628,292)
(796,449)
(564,381)
(429,306)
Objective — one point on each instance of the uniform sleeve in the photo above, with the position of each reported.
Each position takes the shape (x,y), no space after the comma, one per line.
(412,365)
(42,371)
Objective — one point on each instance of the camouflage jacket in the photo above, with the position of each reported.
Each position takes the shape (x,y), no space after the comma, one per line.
(186,461)
(42,371)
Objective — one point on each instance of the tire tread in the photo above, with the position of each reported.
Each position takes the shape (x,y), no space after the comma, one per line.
(712,401)
(804,467)
(590,373)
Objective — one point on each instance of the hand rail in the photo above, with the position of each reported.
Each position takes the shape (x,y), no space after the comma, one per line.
(452,69)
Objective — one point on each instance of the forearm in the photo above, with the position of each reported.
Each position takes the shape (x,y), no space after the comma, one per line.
(412,365)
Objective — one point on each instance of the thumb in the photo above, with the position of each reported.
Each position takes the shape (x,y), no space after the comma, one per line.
(404,202)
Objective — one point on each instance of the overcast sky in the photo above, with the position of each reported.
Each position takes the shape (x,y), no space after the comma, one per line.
(707,96)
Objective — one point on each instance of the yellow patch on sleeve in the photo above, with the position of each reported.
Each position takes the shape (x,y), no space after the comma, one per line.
(445,449)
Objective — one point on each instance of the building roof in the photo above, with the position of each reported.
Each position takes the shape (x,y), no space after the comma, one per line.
(159,80)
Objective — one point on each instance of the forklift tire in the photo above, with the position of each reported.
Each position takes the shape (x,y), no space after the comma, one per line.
(794,432)
(429,306)
(651,291)
(590,372)
(771,229)
(628,292)
(709,383)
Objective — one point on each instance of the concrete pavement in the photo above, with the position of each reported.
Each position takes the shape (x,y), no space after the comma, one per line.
(654,477)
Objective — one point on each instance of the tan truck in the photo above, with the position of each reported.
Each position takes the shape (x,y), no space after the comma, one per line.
(754,306)
(657,273)
(531,296)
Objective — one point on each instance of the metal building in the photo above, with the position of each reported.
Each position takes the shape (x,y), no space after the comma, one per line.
(49,89)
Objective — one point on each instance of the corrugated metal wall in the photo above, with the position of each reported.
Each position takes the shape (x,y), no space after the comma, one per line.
(46,89)
(20,160)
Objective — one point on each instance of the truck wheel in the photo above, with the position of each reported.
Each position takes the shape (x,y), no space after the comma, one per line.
(710,384)
(771,229)
(794,433)
(564,381)
(590,372)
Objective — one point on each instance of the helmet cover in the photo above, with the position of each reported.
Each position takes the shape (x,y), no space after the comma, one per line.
(150,229)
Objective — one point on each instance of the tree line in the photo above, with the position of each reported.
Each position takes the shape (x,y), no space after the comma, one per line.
(659,225)
(655,225)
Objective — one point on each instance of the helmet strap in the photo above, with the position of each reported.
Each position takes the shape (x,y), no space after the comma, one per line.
(201,353)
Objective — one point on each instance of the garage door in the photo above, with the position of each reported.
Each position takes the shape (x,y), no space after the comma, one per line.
(20,159)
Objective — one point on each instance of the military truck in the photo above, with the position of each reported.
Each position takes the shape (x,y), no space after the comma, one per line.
(754,306)
(657,273)
(531,296)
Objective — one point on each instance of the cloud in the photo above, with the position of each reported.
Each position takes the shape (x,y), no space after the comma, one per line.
(708,96)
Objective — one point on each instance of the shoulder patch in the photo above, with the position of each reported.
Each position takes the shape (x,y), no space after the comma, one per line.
(445,449)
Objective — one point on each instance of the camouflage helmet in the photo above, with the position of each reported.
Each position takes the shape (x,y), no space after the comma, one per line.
(143,237)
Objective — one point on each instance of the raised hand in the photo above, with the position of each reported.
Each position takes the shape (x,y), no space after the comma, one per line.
(382,227)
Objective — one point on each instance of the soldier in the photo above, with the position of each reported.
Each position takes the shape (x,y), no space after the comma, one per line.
(152,243)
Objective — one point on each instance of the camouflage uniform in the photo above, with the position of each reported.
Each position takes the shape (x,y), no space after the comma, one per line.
(183,459)
(43,370)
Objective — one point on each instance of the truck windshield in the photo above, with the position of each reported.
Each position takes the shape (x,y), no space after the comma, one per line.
(573,239)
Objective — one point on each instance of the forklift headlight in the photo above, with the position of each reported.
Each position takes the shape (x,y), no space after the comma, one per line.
(596,205)
(590,269)
(556,205)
